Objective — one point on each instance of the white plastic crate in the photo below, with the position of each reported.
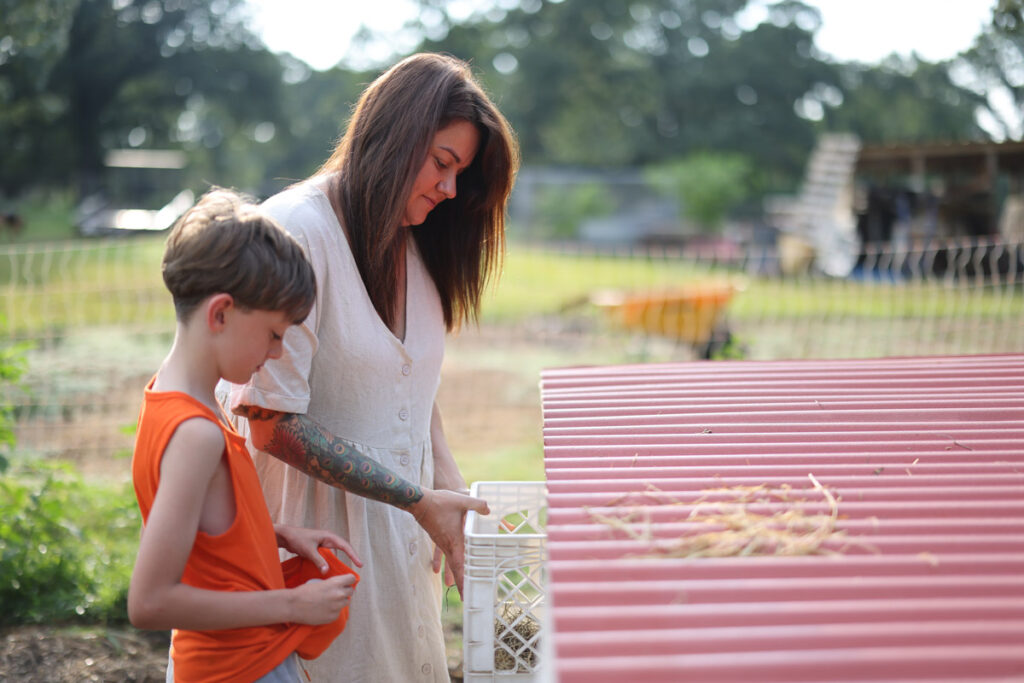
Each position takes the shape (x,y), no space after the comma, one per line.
(504,581)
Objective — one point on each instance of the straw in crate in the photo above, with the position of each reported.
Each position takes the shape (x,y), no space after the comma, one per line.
(505,576)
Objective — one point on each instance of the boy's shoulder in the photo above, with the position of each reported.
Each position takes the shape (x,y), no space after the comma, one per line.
(183,411)
(194,434)
(175,425)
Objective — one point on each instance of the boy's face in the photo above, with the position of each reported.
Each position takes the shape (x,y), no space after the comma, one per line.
(251,338)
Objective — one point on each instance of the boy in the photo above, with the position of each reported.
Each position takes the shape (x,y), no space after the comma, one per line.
(208,563)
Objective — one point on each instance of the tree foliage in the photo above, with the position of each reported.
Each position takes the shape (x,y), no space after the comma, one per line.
(706,185)
(597,83)
(602,82)
(83,76)
(994,69)
(905,100)
(606,83)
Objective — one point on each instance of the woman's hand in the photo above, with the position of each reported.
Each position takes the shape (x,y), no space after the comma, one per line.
(318,601)
(304,542)
(442,514)
(439,555)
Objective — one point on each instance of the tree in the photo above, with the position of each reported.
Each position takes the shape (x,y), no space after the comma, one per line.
(316,105)
(994,69)
(33,36)
(607,83)
(706,185)
(904,100)
(110,73)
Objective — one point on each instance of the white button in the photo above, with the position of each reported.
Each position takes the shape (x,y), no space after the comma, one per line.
(425,668)
(403,414)
(412,548)
(421,631)
(406,369)
(404,460)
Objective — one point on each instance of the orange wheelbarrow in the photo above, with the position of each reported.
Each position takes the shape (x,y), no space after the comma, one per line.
(692,315)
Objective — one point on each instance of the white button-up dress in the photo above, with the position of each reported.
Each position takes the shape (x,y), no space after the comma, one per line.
(345,369)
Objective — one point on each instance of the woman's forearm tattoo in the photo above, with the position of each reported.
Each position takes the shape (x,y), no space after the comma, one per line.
(311,449)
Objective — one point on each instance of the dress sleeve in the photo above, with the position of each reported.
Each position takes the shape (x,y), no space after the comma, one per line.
(281,384)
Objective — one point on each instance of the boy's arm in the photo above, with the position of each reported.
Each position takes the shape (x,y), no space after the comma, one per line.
(307,446)
(157,599)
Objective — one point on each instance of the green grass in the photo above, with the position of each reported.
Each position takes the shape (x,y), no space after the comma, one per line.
(536,282)
(933,299)
(46,287)
(517,462)
(46,216)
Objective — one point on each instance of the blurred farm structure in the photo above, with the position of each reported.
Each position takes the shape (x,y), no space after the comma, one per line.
(857,200)
(140,193)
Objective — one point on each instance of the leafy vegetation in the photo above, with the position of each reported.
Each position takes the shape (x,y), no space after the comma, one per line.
(585,83)
(66,546)
(564,209)
(707,186)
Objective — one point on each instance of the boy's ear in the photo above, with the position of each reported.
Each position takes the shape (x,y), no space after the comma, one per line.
(217,309)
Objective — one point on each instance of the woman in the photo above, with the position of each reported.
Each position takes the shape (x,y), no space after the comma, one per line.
(404,225)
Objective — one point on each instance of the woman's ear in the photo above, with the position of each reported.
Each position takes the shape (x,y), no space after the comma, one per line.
(217,308)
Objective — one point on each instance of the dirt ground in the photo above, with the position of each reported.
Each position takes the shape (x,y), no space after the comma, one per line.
(490,398)
(46,654)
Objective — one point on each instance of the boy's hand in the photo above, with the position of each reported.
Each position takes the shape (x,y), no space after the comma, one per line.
(304,542)
(318,601)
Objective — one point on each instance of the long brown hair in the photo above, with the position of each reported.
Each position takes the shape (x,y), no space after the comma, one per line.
(462,241)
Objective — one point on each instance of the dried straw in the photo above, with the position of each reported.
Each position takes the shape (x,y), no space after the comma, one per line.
(733,529)
(515,629)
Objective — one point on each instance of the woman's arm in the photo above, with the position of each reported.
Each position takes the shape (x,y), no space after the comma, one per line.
(308,447)
(157,599)
(305,445)
(446,476)
(446,470)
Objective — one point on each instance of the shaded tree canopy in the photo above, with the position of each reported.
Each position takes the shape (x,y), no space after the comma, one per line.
(597,83)
(905,100)
(96,70)
(994,69)
(601,82)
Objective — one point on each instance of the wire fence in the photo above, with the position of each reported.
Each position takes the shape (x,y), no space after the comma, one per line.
(95,319)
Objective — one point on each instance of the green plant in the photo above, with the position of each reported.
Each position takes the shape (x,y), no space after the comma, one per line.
(66,546)
(12,367)
(563,209)
(47,215)
(727,347)
(706,185)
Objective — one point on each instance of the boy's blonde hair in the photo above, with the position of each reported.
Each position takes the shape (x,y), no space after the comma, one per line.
(224,244)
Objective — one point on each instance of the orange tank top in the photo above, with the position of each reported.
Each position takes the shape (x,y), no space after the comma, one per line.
(244,558)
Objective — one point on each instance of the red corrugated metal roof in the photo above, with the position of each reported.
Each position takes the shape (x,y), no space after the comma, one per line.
(923,459)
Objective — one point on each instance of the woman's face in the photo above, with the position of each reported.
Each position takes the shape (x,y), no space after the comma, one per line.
(451,151)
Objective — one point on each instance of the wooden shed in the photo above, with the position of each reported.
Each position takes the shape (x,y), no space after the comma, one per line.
(901,197)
